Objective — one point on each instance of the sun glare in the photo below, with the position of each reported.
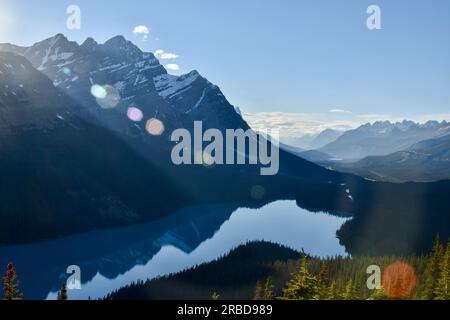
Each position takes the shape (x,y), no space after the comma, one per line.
(6,20)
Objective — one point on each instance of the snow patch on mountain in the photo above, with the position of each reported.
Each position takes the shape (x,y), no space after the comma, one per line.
(168,86)
(199,102)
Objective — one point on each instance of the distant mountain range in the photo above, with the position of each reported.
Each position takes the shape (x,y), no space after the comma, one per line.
(384,151)
(315,141)
(383,138)
(424,161)
(310,155)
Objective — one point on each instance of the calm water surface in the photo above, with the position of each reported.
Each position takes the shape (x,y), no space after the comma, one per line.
(110,259)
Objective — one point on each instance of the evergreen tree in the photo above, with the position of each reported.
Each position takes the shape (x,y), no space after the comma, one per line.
(379,294)
(432,272)
(442,291)
(215,296)
(62,293)
(11,284)
(303,286)
(351,292)
(268,289)
(323,282)
(333,292)
(258,291)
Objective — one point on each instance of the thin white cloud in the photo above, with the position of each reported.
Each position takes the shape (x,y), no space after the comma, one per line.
(291,125)
(142,30)
(172,67)
(161,54)
(338,110)
(297,124)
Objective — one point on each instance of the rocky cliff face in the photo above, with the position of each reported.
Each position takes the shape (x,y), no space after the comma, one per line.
(133,79)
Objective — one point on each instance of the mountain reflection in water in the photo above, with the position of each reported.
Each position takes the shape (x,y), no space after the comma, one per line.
(110,259)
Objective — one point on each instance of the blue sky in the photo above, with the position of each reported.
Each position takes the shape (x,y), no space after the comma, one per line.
(279,60)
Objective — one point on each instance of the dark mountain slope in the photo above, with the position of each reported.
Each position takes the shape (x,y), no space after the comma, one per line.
(61,174)
(393,218)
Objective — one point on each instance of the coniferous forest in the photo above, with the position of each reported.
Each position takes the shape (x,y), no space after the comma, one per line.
(265,271)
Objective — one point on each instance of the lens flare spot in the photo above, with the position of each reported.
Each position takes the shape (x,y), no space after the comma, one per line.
(258,192)
(108,97)
(399,280)
(155,127)
(98,91)
(135,114)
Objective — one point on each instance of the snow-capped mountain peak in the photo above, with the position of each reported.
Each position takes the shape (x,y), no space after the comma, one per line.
(89,44)
(383,137)
(137,79)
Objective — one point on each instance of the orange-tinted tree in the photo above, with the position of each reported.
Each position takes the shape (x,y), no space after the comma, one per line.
(11,284)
